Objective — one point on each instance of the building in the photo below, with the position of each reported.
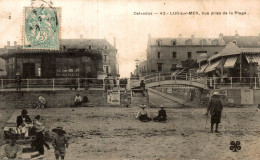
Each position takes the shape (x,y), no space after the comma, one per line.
(82,58)
(169,54)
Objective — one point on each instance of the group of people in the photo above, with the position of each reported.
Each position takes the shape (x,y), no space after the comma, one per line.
(25,128)
(144,116)
(214,110)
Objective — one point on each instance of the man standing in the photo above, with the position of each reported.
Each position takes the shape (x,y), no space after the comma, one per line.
(142,86)
(18,81)
(215,109)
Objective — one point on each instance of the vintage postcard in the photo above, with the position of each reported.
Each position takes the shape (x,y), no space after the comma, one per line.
(130,80)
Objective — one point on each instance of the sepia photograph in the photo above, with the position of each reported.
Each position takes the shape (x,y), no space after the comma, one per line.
(130,80)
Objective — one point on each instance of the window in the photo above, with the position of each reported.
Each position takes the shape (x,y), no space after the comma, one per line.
(105,58)
(249,43)
(214,42)
(188,42)
(39,72)
(189,55)
(174,54)
(235,42)
(89,47)
(106,69)
(159,65)
(174,42)
(159,55)
(201,51)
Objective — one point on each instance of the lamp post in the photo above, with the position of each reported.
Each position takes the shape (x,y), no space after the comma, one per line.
(250,69)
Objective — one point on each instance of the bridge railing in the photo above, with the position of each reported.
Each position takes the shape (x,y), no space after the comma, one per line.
(210,82)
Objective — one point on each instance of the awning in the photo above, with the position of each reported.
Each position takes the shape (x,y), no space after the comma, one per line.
(255,58)
(230,62)
(202,68)
(213,66)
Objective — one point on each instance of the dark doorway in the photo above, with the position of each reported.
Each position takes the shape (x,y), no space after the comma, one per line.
(28,70)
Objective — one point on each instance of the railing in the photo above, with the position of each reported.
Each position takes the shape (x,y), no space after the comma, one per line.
(60,84)
(210,82)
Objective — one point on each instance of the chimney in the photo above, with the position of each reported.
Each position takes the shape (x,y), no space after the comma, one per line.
(8,43)
(15,43)
(192,36)
(221,35)
(114,42)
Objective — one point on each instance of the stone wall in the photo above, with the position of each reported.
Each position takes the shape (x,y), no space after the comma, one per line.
(25,99)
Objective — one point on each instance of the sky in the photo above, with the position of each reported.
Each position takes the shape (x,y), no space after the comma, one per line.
(114,18)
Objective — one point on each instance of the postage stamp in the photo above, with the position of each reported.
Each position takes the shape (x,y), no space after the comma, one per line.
(41,28)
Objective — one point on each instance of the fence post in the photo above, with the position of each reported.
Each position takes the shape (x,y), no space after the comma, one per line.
(186,76)
(2,84)
(255,82)
(231,82)
(214,81)
(28,87)
(53,85)
(103,83)
(78,84)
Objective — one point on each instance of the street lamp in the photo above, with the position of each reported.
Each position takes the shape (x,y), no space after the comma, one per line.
(250,58)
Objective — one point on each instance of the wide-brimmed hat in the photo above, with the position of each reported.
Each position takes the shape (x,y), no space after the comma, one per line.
(215,93)
(161,106)
(142,105)
(59,128)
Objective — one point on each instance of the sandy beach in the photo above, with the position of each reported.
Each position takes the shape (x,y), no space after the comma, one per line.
(114,133)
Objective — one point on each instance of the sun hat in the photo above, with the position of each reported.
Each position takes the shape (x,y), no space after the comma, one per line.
(59,128)
(142,105)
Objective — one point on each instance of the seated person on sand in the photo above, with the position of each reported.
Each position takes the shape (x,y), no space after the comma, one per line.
(161,115)
(11,150)
(78,100)
(143,114)
(41,103)
(23,122)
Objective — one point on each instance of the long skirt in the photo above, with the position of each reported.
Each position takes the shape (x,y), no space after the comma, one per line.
(216,117)
(144,118)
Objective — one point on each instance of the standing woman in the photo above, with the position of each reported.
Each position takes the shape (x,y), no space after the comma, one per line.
(40,139)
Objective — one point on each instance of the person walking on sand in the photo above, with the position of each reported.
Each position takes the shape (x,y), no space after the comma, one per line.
(40,138)
(215,109)
(60,142)
(161,115)
(143,114)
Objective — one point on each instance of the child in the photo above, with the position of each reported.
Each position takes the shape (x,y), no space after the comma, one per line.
(40,138)
(60,142)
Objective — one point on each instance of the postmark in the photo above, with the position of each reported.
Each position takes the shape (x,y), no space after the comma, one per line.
(41,27)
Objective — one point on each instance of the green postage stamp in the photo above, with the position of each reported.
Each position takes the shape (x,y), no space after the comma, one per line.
(41,28)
